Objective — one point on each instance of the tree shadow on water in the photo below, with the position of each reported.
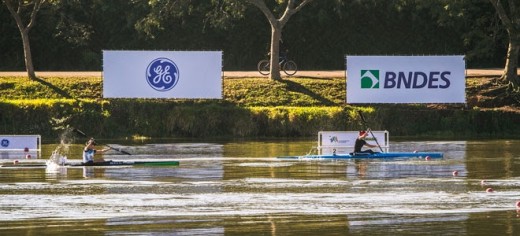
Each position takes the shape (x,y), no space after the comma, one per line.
(296,87)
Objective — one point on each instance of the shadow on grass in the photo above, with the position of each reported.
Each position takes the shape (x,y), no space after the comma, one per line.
(296,87)
(54,87)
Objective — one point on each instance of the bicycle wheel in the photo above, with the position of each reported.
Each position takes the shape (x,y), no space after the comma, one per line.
(263,67)
(290,68)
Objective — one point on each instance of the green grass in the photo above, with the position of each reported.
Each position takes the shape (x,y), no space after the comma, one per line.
(243,91)
(251,107)
(288,92)
(16,88)
(247,92)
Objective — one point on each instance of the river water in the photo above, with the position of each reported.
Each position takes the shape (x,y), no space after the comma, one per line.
(241,188)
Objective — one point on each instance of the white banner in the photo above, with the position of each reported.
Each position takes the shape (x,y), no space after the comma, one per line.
(406,79)
(20,142)
(162,74)
(344,141)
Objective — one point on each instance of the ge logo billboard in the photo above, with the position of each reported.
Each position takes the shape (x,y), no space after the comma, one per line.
(162,74)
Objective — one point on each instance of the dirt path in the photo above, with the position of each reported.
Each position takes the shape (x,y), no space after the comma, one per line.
(237,74)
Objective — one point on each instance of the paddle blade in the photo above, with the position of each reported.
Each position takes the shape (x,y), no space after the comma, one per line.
(125,152)
(362,117)
(79,132)
(119,150)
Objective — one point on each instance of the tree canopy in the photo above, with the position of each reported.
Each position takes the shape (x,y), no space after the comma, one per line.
(71,34)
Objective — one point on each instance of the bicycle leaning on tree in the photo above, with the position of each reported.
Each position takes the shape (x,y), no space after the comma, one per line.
(289,67)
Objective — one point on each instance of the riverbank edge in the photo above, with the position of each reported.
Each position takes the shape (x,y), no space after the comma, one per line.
(137,118)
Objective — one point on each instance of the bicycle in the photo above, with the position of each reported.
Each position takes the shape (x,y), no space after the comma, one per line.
(289,67)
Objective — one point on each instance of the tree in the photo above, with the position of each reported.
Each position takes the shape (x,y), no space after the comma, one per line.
(21,11)
(511,20)
(277,25)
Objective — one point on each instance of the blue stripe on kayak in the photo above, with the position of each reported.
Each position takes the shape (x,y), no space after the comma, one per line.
(368,155)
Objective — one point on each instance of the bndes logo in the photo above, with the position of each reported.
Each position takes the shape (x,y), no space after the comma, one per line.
(408,80)
(369,79)
(417,80)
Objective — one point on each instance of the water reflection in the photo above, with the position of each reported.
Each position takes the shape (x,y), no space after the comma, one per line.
(380,224)
(19,155)
(238,188)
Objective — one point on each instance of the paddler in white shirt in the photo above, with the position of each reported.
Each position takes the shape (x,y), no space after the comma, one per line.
(90,150)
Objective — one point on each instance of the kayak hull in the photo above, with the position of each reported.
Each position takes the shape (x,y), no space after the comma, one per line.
(126,163)
(382,155)
(103,163)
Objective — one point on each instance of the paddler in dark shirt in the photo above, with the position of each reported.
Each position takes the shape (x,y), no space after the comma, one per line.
(360,142)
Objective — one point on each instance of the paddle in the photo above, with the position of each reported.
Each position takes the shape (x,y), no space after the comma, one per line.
(115,149)
(367,128)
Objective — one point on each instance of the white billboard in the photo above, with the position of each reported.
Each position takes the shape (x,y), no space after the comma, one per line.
(20,142)
(348,138)
(162,74)
(343,141)
(406,79)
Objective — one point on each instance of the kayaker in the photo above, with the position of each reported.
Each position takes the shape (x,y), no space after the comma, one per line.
(360,142)
(90,150)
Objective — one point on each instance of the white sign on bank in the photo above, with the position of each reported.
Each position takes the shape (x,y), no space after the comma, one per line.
(162,74)
(406,79)
(341,142)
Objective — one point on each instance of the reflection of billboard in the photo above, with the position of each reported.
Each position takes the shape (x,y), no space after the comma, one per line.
(406,79)
(162,74)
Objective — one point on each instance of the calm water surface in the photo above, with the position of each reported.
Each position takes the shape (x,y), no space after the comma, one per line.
(241,188)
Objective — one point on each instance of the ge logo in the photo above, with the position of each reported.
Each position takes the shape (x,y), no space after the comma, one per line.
(162,74)
(4,143)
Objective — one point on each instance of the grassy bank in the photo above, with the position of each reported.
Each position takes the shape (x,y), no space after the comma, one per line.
(250,108)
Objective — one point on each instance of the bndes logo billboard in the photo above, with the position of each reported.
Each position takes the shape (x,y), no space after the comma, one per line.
(405,79)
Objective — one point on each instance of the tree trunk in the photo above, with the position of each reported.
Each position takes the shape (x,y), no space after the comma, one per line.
(276,34)
(24,30)
(511,68)
(28,55)
(511,20)
(276,30)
